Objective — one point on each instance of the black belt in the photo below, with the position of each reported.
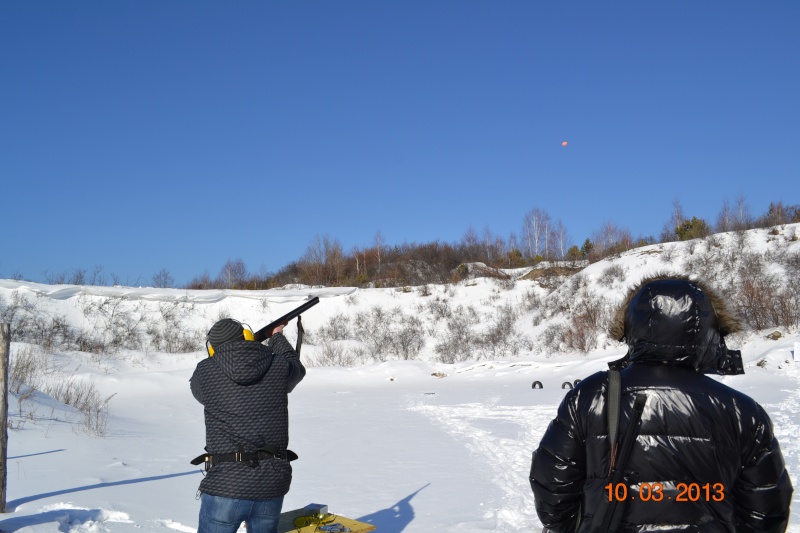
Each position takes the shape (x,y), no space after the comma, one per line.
(252,458)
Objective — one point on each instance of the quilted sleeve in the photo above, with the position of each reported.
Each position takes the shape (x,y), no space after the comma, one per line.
(281,347)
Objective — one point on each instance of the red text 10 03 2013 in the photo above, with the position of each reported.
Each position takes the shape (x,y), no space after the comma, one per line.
(654,492)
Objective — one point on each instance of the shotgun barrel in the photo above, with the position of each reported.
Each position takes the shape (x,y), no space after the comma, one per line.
(267,331)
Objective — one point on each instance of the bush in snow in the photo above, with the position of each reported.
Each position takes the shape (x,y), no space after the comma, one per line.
(501,338)
(381,334)
(459,342)
(612,274)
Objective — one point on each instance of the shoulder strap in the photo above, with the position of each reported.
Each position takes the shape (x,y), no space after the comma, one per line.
(300,332)
(612,414)
(612,514)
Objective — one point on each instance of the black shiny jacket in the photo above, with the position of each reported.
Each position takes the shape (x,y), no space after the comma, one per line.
(705,458)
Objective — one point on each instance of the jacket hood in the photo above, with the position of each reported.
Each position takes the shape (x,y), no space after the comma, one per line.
(673,319)
(244,362)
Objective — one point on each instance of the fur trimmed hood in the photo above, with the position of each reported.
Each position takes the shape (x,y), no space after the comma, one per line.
(674,319)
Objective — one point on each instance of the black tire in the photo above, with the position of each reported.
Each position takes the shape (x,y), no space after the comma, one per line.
(535,383)
(566,385)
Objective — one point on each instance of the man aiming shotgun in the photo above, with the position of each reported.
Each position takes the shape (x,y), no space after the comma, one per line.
(243,387)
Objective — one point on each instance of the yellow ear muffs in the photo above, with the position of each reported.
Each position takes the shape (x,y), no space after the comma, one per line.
(247,335)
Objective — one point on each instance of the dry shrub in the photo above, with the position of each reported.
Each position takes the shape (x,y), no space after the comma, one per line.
(531,300)
(406,339)
(32,368)
(587,315)
(579,335)
(382,333)
(668,254)
(336,354)
(552,338)
(501,338)
(763,298)
(613,273)
(178,337)
(439,308)
(337,328)
(705,265)
(29,366)
(84,397)
(458,343)
(424,290)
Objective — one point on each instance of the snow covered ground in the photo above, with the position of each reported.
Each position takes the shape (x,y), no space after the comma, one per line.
(384,442)
(387,443)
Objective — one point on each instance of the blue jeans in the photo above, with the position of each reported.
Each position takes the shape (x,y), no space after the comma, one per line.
(225,515)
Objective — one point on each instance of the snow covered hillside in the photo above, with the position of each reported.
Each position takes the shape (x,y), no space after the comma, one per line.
(417,413)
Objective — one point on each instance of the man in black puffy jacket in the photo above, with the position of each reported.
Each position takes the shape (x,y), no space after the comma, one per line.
(243,387)
(705,458)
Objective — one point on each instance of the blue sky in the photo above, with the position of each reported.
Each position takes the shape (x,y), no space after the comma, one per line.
(147,135)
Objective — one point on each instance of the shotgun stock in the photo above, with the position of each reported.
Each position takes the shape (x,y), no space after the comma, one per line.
(267,331)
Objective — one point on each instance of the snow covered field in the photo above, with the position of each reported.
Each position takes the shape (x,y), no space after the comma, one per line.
(384,442)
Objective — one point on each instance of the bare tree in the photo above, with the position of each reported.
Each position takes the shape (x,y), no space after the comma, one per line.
(324,261)
(744,220)
(560,239)
(778,213)
(312,263)
(546,234)
(611,239)
(677,213)
(335,262)
(535,231)
(513,242)
(529,234)
(78,277)
(470,238)
(163,279)
(358,261)
(488,244)
(725,219)
(97,277)
(233,274)
(379,243)
(676,218)
(202,281)
(493,245)
(55,278)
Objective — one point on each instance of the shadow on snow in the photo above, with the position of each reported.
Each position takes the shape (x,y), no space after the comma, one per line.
(35,454)
(66,519)
(393,519)
(67,516)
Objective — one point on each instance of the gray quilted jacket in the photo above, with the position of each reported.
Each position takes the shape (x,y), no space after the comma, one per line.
(243,389)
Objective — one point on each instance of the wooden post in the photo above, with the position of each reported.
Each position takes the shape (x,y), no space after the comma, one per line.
(5,350)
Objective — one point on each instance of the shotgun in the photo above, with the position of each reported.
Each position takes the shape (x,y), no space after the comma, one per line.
(267,331)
